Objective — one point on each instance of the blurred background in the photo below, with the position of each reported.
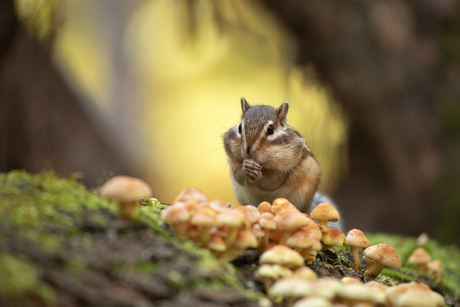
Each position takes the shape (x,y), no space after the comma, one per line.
(148,87)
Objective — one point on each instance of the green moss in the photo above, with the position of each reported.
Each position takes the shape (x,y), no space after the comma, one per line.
(19,277)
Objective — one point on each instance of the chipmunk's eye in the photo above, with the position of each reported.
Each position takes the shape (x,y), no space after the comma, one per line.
(270,129)
(239,129)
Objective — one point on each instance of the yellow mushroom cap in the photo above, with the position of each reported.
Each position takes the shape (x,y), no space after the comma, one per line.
(175,213)
(218,205)
(267,220)
(350,280)
(325,211)
(233,218)
(282,255)
(356,291)
(244,239)
(300,239)
(125,189)
(384,254)
(305,273)
(281,204)
(419,256)
(290,219)
(216,243)
(334,237)
(314,301)
(264,206)
(414,294)
(205,217)
(250,212)
(356,237)
(378,290)
(191,194)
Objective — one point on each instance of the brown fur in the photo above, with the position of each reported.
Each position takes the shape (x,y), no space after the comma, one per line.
(289,168)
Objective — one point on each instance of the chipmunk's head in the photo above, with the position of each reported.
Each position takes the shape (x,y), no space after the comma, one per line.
(262,135)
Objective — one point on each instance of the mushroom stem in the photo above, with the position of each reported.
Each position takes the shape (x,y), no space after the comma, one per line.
(357,262)
(264,241)
(204,237)
(231,236)
(266,282)
(127,210)
(284,238)
(322,222)
(181,229)
(374,271)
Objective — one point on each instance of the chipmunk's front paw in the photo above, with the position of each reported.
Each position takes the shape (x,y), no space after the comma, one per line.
(252,169)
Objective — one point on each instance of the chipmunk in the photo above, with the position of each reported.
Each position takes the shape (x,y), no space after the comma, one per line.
(269,159)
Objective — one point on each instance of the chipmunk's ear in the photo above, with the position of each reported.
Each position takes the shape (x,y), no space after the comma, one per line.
(244,105)
(281,113)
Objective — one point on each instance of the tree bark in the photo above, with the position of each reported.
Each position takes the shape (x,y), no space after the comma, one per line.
(41,119)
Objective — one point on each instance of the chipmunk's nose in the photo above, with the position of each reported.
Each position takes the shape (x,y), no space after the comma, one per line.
(248,149)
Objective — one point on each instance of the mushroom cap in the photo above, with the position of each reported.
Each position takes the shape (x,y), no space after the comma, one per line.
(378,290)
(325,211)
(385,254)
(125,189)
(435,265)
(191,194)
(245,238)
(314,229)
(175,213)
(314,301)
(334,237)
(267,220)
(264,206)
(282,255)
(205,217)
(218,205)
(257,230)
(289,286)
(290,219)
(350,280)
(216,243)
(300,239)
(356,291)
(419,256)
(356,237)
(233,218)
(414,294)
(305,273)
(250,212)
(281,204)
(274,271)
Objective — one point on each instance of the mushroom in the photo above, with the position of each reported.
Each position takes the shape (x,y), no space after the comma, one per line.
(264,206)
(382,255)
(378,290)
(250,212)
(354,294)
(232,219)
(205,218)
(268,273)
(313,301)
(423,239)
(414,294)
(334,237)
(305,273)
(267,223)
(300,239)
(218,205)
(216,244)
(435,269)
(420,258)
(177,217)
(281,204)
(350,280)
(282,255)
(244,238)
(287,221)
(126,191)
(324,213)
(191,194)
(356,239)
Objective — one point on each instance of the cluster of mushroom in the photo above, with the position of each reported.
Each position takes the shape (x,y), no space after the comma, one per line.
(424,265)
(221,228)
(284,274)
(378,256)
(308,291)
